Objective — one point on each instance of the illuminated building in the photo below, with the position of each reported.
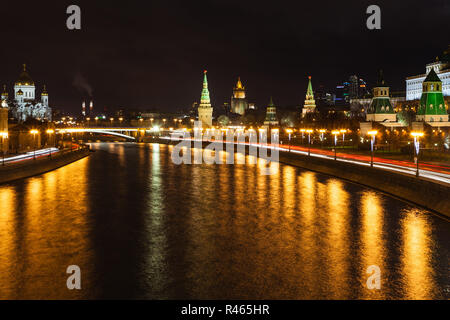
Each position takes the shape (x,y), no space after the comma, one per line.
(432,106)
(238,102)
(4,126)
(271,114)
(310,103)
(357,87)
(204,109)
(25,105)
(441,67)
(381,109)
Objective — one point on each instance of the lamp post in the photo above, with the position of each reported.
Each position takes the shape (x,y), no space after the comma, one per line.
(34,132)
(50,132)
(275,133)
(4,136)
(416,136)
(261,134)
(303,134)
(373,134)
(322,132)
(309,131)
(289,132)
(343,131)
(335,132)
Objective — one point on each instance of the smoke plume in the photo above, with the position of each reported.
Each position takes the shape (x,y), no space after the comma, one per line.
(82,84)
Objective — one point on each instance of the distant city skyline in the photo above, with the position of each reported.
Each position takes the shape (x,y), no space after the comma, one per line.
(153,54)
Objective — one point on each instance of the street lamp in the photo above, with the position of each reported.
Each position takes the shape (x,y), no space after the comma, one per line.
(373,134)
(261,134)
(4,136)
(303,134)
(322,132)
(343,131)
(309,131)
(289,131)
(416,136)
(34,132)
(335,132)
(50,132)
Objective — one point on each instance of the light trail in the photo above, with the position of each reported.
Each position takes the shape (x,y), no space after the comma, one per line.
(380,163)
(31,155)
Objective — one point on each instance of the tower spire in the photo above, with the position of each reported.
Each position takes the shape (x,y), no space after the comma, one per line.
(204,109)
(310,103)
(205,100)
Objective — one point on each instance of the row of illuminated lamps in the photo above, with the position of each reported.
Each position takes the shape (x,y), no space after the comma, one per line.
(48,131)
(141,119)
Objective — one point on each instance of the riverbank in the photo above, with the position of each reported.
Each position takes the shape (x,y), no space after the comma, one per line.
(421,191)
(29,168)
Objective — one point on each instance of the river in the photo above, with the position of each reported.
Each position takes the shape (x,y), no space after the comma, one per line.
(141,227)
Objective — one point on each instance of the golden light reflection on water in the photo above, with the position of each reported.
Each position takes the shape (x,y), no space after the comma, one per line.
(208,231)
(372,251)
(46,234)
(416,256)
(9,258)
(337,238)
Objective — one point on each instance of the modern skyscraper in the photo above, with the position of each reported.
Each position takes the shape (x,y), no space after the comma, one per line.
(310,103)
(204,109)
(238,102)
(381,109)
(432,106)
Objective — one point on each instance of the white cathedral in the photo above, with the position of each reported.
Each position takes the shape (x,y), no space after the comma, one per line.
(25,105)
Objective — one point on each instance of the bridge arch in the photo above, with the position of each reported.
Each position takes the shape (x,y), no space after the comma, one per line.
(113,132)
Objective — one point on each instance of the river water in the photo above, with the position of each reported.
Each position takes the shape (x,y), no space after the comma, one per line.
(141,227)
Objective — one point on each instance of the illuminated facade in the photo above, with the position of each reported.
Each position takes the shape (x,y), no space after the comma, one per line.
(25,105)
(310,103)
(238,101)
(271,114)
(441,67)
(4,126)
(381,109)
(205,109)
(432,106)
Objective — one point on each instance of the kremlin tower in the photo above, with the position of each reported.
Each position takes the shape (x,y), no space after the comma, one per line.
(204,109)
(238,102)
(271,114)
(381,109)
(432,105)
(310,103)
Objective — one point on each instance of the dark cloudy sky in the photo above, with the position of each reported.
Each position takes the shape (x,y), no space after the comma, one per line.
(145,54)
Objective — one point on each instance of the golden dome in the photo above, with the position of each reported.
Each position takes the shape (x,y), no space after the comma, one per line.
(239,84)
(24,78)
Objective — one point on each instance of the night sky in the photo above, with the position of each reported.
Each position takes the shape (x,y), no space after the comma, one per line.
(151,54)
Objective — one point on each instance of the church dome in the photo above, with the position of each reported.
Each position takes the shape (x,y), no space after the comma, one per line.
(24,78)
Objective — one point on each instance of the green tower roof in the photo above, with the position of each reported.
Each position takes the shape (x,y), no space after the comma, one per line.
(271,104)
(432,77)
(309,91)
(205,92)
